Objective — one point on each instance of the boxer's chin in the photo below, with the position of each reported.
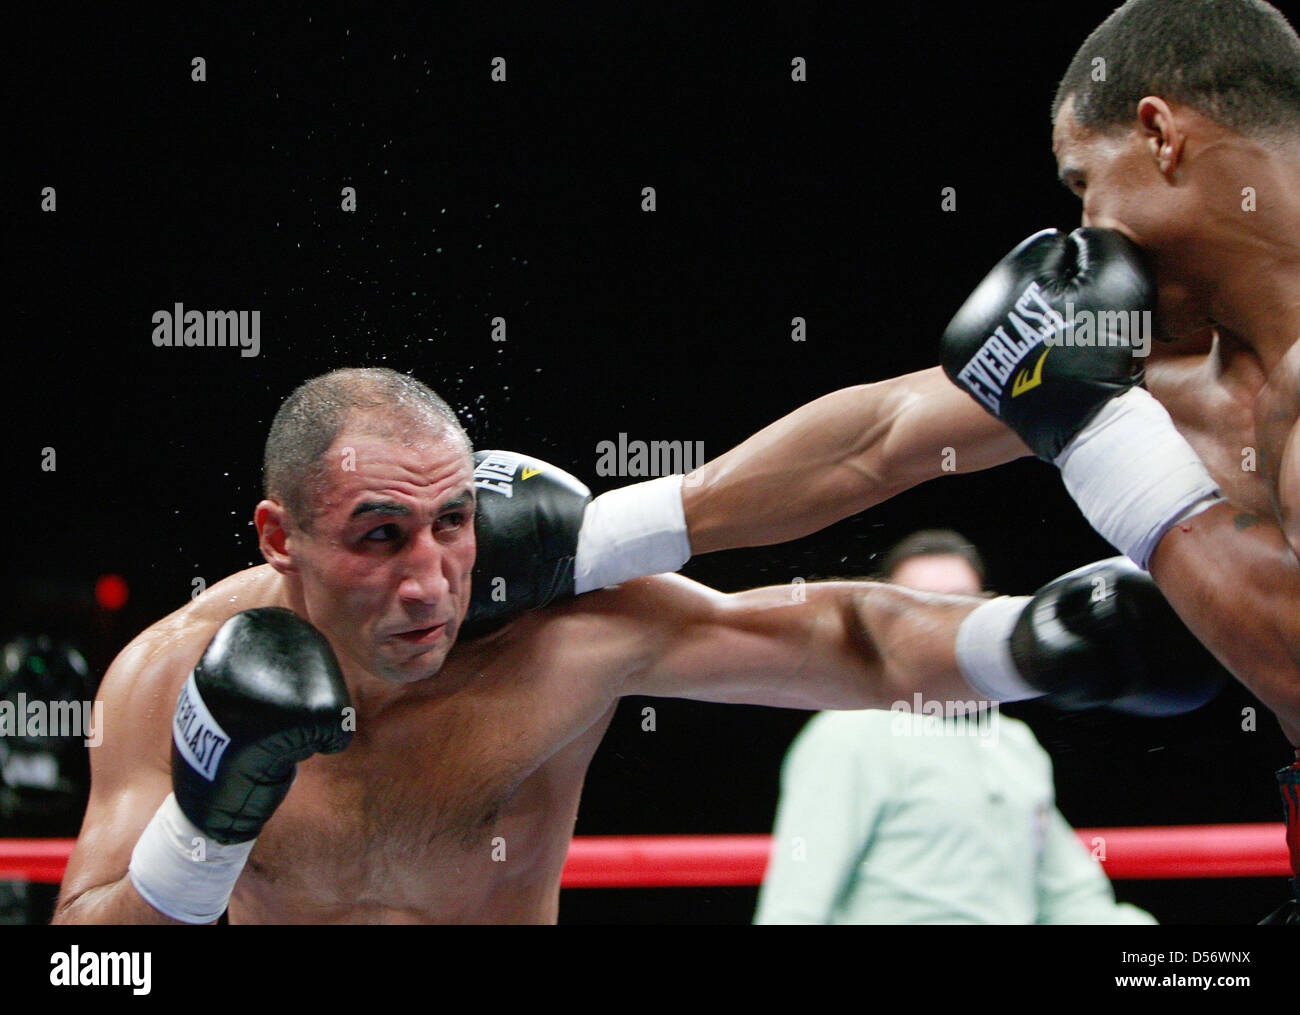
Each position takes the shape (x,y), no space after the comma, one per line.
(1181,315)
(424,666)
(405,666)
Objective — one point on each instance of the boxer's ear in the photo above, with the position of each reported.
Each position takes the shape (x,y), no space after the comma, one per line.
(273,523)
(1164,134)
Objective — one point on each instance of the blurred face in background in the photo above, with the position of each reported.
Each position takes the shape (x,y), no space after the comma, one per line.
(937,572)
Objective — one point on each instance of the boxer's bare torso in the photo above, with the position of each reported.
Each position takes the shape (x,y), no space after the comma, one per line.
(454,802)
(1243,420)
(449,807)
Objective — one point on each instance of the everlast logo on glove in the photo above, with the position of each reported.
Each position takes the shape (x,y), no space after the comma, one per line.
(1035,322)
(1020,348)
(527,536)
(198,737)
(495,472)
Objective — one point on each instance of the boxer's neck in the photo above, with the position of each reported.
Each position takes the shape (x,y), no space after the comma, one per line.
(1254,256)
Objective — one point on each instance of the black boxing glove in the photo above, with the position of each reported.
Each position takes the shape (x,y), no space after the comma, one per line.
(266,694)
(1101,635)
(542,537)
(526,525)
(1016,345)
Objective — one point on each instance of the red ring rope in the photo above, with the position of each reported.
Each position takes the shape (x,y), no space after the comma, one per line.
(634,861)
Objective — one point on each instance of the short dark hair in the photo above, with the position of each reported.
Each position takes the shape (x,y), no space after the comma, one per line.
(1236,61)
(931,543)
(311,418)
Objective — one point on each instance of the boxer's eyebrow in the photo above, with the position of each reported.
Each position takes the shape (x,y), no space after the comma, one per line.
(378,507)
(463,500)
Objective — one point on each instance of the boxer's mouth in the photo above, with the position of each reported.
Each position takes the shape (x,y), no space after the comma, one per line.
(422,635)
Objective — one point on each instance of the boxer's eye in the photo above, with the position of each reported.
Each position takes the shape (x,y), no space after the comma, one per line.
(451,521)
(383,534)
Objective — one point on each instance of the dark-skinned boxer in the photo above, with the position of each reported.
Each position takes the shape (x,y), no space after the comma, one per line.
(1188,145)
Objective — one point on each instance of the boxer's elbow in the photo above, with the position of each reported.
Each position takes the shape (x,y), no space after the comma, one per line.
(116,902)
(87,906)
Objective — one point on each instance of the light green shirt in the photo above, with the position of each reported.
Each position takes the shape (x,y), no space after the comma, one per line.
(895,818)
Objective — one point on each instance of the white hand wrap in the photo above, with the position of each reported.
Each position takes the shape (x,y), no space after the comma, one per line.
(631,532)
(1134,476)
(984,650)
(167,874)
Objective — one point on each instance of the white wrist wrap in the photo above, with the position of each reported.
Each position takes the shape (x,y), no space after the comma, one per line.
(984,650)
(631,532)
(1134,476)
(167,873)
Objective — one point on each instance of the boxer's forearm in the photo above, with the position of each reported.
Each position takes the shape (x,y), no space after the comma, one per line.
(116,903)
(823,462)
(838,645)
(839,455)
(1235,582)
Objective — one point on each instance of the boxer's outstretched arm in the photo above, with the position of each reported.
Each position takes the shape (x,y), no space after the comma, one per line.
(1234,578)
(838,645)
(839,455)
(130,776)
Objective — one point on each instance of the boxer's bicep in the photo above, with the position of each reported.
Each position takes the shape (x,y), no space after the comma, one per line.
(115,818)
(130,767)
(1234,580)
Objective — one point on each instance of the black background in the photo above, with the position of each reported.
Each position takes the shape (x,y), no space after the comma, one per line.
(522,199)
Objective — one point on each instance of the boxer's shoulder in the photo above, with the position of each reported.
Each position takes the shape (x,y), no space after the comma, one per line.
(243,590)
(1200,396)
(153,665)
(1214,397)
